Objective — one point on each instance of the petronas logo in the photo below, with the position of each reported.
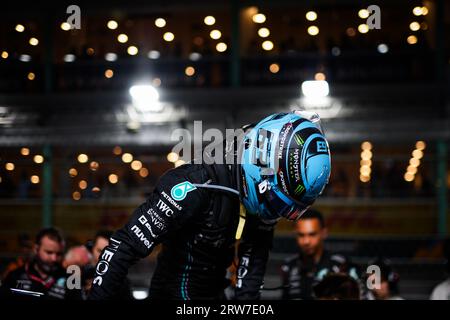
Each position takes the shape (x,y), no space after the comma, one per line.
(180,190)
(299,140)
(299,189)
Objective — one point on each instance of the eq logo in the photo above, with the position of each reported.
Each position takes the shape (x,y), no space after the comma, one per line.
(322,146)
(180,190)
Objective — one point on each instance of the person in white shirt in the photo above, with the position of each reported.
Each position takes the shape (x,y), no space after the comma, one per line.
(442,290)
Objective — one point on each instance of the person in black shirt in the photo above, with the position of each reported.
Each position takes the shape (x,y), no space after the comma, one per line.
(303,271)
(43,276)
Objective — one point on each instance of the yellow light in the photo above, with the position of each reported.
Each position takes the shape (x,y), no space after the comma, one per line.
(76,195)
(73,172)
(408,177)
(95,189)
(363,28)
(414,26)
(33,41)
(122,38)
(414,162)
(65,26)
(313,31)
(267,45)
(82,184)
(365,170)
(421,145)
(365,163)
(259,18)
(319,76)
(5,54)
(31,76)
(221,47)
(363,13)
(112,24)
(411,169)
(424,11)
(417,11)
(136,165)
(25,151)
(263,32)
(113,178)
(160,23)
(168,36)
(20,28)
(143,172)
(251,11)
(209,20)
(215,34)
(418,154)
(9,166)
(274,67)
(94,165)
(109,74)
(127,157)
(179,163)
(132,50)
(412,39)
(189,71)
(117,150)
(38,158)
(364,178)
(34,179)
(82,158)
(366,145)
(172,157)
(311,15)
(366,155)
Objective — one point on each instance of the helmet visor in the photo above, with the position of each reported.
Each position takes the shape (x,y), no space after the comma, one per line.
(284,208)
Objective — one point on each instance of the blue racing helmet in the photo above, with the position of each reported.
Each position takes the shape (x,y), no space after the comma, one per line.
(285,165)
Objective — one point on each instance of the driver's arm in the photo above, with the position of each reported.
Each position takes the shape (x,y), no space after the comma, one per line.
(253,255)
(150,222)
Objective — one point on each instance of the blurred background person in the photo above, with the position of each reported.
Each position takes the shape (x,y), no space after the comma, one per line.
(337,286)
(100,241)
(313,262)
(26,251)
(78,255)
(44,272)
(442,290)
(389,282)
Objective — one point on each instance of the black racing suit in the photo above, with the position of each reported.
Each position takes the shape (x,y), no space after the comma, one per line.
(197,233)
(300,274)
